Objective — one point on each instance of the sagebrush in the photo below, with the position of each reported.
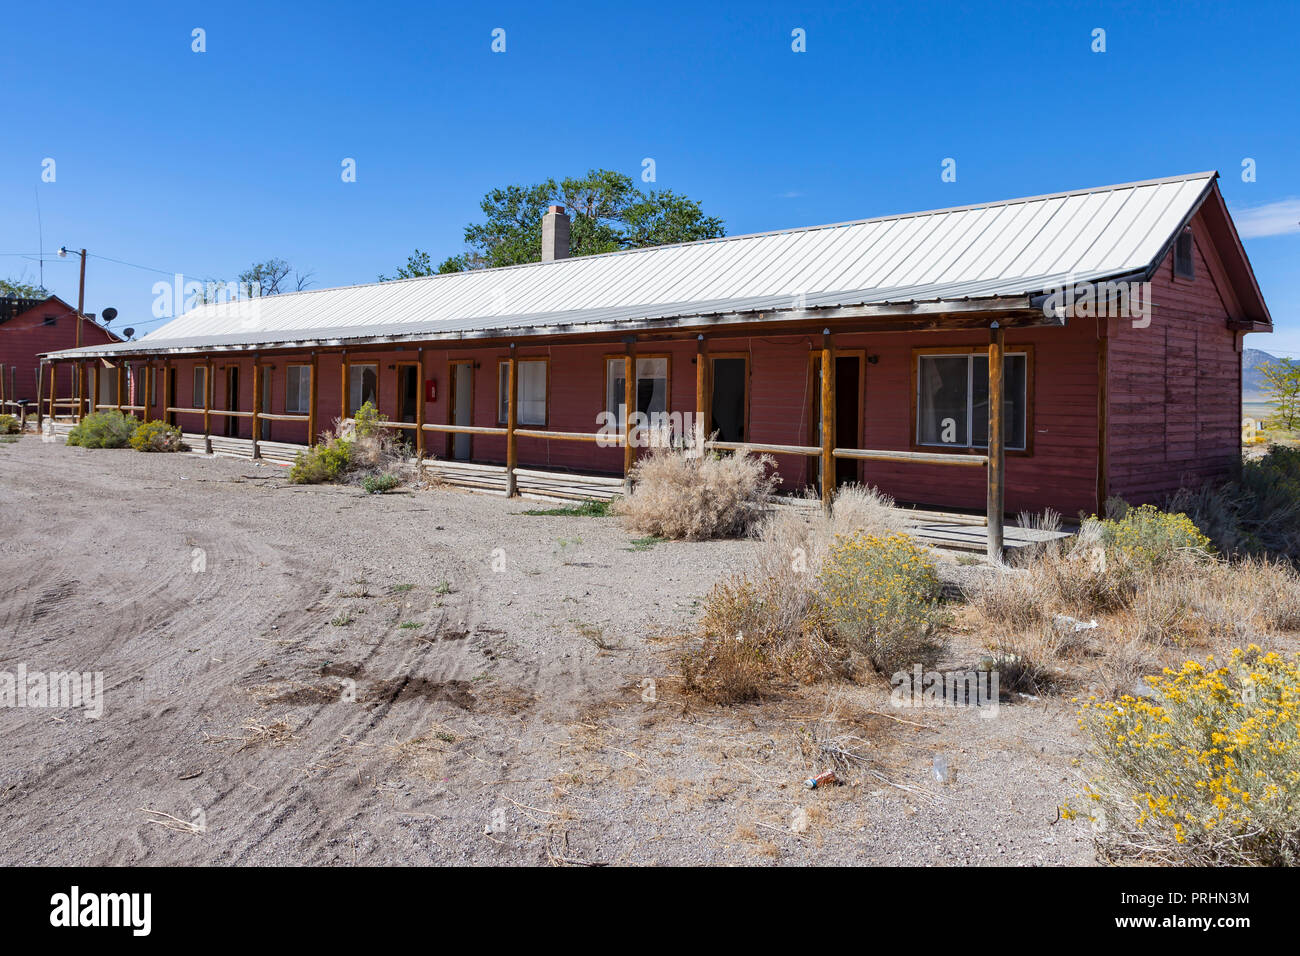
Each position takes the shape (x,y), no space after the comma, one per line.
(678,496)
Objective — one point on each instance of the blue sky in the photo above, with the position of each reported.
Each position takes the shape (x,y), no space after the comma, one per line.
(202,163)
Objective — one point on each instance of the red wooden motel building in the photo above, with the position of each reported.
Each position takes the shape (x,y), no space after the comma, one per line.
(1112,319)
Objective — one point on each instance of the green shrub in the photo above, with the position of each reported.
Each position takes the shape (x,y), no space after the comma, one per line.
(368,421)
(109,429)
(158,436)
(1205,770)
(325,462)
(378,484)
(881,594)
(9,425)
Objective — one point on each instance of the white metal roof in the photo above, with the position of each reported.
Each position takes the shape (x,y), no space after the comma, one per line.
(1012,249)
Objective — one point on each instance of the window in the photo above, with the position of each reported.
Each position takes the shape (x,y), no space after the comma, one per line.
(1184,260)
(952,400)
(363,386)
(50,320)
(532,391)
(651,385)
(200,386)
(297,392)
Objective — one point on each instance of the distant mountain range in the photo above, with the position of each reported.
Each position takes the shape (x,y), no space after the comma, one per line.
(1252,382)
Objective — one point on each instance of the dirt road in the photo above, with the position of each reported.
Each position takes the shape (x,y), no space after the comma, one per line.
(314,675)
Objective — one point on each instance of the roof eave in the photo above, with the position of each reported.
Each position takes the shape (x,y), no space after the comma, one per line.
(994,307)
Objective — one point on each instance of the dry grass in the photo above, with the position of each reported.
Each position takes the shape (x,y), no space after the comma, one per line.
(257,732)
(676,496)
(1030,661)
(1154,596)
(426,756)
(764,624)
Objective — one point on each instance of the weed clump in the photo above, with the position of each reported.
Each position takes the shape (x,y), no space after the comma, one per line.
(378,484)
(773,621)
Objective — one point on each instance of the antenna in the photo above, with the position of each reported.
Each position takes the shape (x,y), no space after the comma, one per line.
(40,236)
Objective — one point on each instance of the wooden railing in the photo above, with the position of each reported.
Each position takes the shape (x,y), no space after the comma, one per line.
(824,351)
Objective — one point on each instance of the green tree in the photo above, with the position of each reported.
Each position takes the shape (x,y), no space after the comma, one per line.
(18,289)
(419,264)
(607,213)
(1281,381)
(273,277)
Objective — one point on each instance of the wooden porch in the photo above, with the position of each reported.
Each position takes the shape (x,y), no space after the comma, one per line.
(947,530)
(822,449)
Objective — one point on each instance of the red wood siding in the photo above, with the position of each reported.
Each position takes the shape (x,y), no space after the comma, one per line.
(1174,388)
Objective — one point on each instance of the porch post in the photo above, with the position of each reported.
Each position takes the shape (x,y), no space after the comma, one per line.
(701,391)
(419,405)
(168,417)
(512,418)
(629,406)
(996,502)
(343,387)
(207,402)
(257,403)
(828,420)
(311,403)
(54,374)
(93,397)
(121,382)
(81,390)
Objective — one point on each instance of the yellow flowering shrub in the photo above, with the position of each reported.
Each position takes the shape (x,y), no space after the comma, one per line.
(1205,770)
(1108,563)
(1147,537)
(881,594)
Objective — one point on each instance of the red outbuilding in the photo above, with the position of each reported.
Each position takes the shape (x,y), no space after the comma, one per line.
(28,329)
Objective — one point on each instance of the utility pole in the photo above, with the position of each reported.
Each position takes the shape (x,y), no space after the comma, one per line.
(81,298)
(81,317)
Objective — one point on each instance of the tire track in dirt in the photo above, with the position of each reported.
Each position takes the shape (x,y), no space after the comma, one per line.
(401,700)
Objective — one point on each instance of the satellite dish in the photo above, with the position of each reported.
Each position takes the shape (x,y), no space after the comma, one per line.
(109,315)
(128,332)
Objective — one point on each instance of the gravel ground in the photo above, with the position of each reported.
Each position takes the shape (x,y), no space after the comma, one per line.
(314,675)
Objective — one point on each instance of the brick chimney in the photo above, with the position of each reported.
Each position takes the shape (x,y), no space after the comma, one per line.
(555,234)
